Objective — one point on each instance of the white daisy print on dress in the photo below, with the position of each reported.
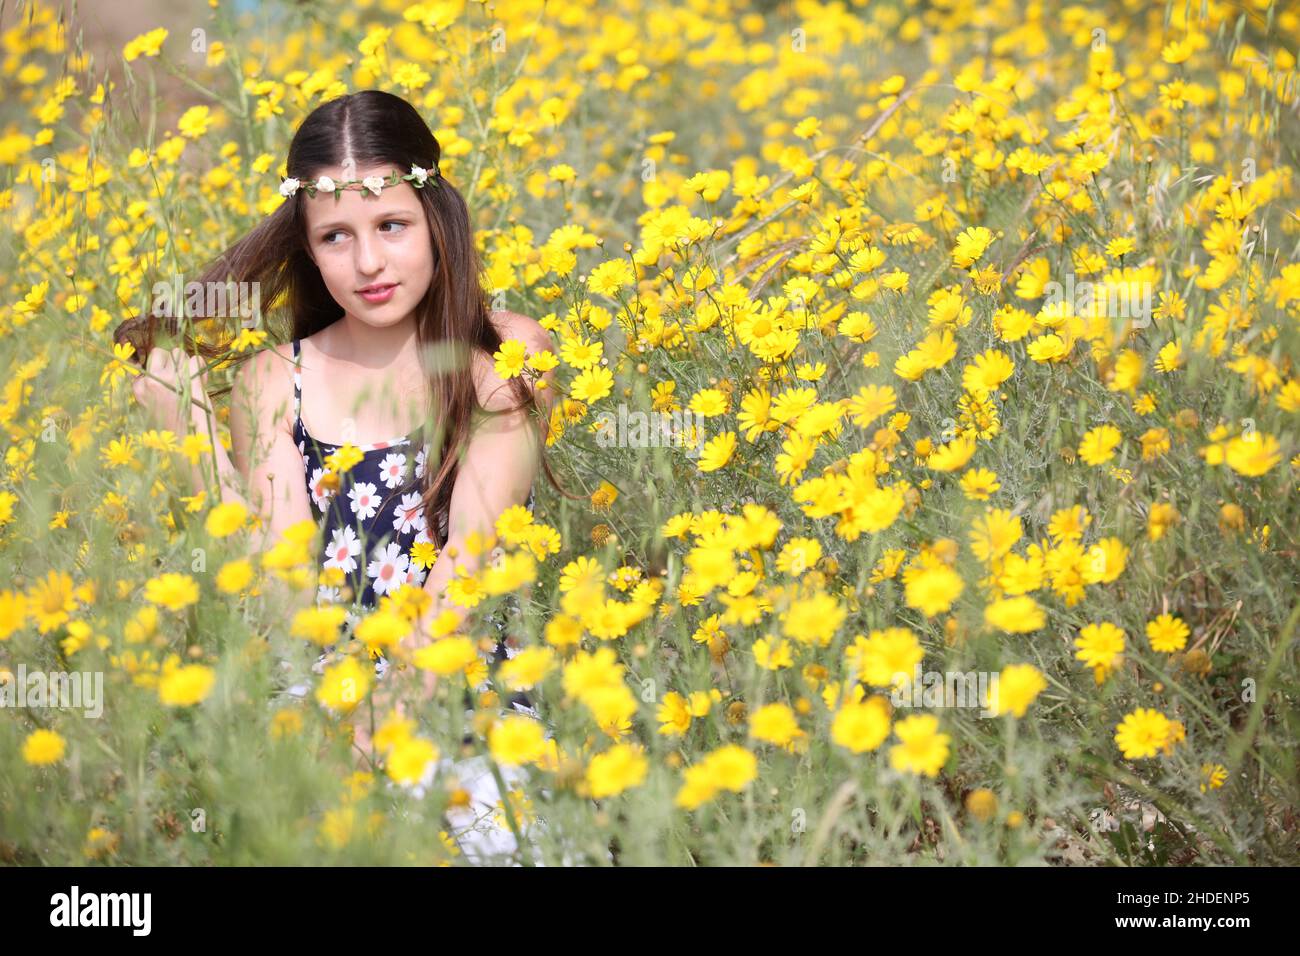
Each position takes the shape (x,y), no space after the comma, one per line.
(364,500)
(389,568)
(409,513)
(420,459)
(415,576)
(392,469)
(343,550)
(319,493)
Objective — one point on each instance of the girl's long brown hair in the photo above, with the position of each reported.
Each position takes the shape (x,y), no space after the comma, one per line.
(370,127)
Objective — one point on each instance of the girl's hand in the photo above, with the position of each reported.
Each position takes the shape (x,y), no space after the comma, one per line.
(162,395)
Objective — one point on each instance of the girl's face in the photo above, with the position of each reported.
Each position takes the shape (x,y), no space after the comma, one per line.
(362,240)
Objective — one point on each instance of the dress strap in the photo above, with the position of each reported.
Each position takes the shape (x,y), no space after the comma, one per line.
(297,380)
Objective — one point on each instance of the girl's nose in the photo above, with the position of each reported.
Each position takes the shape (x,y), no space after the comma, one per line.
(370,259)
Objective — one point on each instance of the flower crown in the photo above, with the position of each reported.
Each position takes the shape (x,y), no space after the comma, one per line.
(417,177)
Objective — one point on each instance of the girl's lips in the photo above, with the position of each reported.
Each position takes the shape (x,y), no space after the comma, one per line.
(379,295)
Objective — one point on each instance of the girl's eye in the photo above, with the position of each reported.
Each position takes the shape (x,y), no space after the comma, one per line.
(387,222)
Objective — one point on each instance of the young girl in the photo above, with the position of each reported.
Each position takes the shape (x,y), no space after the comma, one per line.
(388,349)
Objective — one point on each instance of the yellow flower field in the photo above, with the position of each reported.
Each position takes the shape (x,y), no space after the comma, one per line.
(971,535)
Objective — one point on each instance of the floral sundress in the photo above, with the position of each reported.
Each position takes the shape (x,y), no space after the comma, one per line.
(373,519)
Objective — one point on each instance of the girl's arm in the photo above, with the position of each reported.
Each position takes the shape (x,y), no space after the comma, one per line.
(500,465)
(173,391)
(199,472)
(265,457)
(266,471)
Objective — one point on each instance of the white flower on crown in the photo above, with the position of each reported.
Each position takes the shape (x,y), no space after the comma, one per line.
(420,175)
(325,184)
(289,187)
(374,183)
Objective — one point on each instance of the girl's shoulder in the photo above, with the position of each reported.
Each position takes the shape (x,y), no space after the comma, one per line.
(269,371)
(491,387)
(263,385)
(512,325)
